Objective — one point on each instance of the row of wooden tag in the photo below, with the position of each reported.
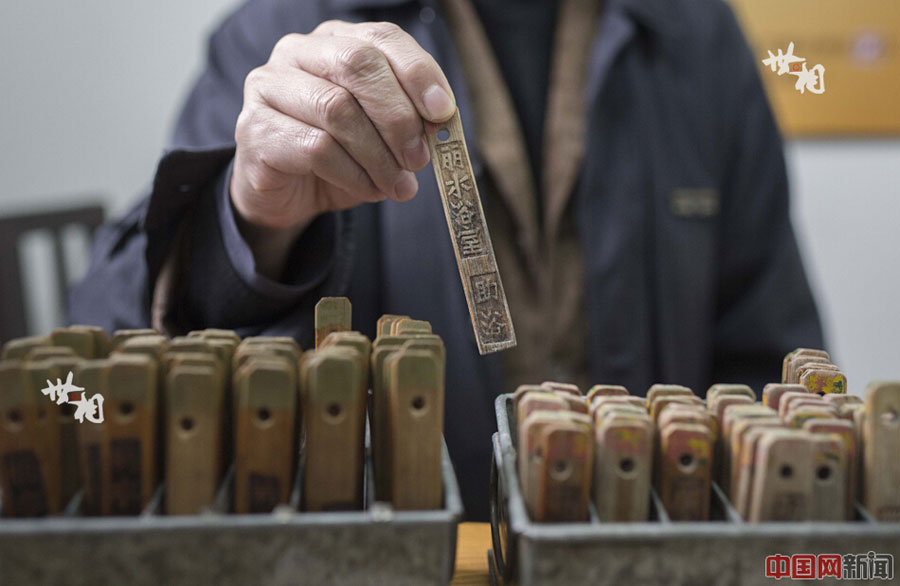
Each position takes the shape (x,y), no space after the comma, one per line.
(179,411)
(807,452)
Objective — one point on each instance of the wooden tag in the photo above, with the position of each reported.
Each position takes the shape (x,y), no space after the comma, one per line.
(120,336)
(606,391)
(600,411)
(622,467)
(416,398)
(800,362)
(661,402)
(333,314)
(543,401)
(472,246)
(19,348)
(102,342)
(718,390)
(92,376)
(566,388)
(781,481)
(193,438)
(246,352)
(719,404)
(39,353)
(620,399)
(154,346)
(723,451)
(881,437)
(80,341)
(49,428)
(523,390)
(265,436)
(797,417)
(773,392)
(812,400)
(734,417)
(406,327)
(845,432)
(530,452)
(685,471)
(217,334)
(786,375)
(673,414)
(821,380)
(660,390)
(564,473)
(788,398)
(280,345)
(383,326)
(129,446)
(30,486)
(842,400)
(745,438)
(363,347)
(573,403)
(382,348)
(829,479)
(334,408)
(60,367)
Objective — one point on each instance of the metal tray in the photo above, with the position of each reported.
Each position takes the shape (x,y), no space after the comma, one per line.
(725,551)
(376,546)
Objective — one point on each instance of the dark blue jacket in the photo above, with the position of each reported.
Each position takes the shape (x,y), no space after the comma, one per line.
(692,273)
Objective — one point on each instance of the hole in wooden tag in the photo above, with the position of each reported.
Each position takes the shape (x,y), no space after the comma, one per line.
(14,416)
(626,465)
(126,408)
(263,414)
(823,473)
(418,404)
(889,418)
(561,470)
(686,462)
(186,423)
(443,134)
(786,471)
(334,413)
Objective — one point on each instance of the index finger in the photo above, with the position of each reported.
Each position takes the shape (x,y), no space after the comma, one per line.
(418,73)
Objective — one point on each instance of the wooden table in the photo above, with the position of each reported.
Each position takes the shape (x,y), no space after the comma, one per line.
(472,545)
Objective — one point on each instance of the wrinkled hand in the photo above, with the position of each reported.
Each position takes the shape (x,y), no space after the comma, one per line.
(331,121)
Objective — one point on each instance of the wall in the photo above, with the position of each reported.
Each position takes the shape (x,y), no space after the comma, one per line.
(90,90)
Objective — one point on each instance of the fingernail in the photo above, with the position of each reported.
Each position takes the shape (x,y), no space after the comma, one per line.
(416,154)
(406,187)
(439,105)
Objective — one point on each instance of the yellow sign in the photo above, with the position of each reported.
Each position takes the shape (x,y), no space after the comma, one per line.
(857,44)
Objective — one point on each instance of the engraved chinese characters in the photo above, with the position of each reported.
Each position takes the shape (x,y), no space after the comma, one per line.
(488,308)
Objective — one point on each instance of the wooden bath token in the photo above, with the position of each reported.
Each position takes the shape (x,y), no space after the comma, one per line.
(488,308)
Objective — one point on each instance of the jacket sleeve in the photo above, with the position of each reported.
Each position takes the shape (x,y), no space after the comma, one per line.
(765,307)
(187,216)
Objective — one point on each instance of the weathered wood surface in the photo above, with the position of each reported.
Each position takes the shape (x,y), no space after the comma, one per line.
(485,296)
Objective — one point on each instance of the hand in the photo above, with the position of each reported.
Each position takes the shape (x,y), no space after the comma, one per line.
(331,121)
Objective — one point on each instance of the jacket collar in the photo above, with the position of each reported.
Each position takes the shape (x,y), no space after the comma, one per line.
(654,15)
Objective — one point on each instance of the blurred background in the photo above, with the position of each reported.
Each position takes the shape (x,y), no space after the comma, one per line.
(91,89)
